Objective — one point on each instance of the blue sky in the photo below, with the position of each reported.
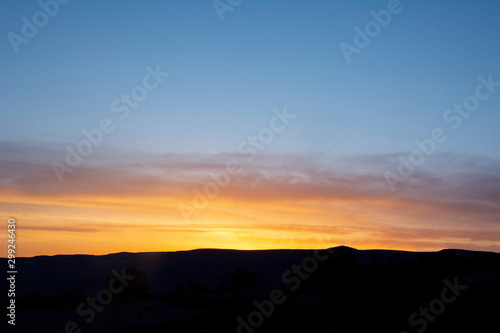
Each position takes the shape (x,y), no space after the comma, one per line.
(226,77)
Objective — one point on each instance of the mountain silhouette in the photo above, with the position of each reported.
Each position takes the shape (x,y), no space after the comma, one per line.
(339,289)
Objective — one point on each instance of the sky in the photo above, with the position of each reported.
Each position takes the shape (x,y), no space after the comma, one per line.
(175,125)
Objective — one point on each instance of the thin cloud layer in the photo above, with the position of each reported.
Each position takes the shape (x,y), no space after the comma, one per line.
(302,199)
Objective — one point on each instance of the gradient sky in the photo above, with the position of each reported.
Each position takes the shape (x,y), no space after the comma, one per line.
(319,182)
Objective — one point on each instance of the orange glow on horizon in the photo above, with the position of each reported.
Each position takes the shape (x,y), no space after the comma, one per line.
(103,225)
(108,212)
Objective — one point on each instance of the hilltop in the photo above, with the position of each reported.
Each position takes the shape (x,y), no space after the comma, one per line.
(209,290)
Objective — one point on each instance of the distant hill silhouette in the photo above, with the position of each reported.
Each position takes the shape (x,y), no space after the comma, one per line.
(208,290)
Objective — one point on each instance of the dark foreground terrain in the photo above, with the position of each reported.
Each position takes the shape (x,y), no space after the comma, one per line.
(335,290)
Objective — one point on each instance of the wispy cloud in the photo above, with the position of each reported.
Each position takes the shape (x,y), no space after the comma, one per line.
(456,200)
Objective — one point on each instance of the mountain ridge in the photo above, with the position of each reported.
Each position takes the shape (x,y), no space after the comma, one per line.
(339,289)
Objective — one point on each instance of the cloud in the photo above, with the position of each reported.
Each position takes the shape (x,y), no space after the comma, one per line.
(452,198)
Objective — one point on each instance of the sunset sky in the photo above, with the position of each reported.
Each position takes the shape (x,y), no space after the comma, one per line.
(175,125)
